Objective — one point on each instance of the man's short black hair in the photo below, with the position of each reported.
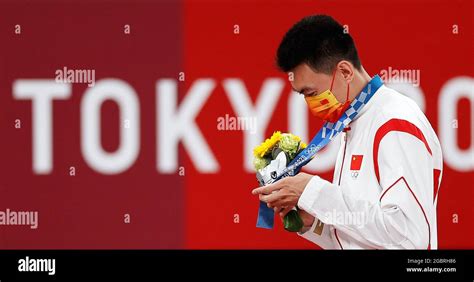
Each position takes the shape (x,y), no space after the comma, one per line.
(319,41)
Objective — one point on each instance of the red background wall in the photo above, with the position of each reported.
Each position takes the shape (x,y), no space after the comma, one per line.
(196,210)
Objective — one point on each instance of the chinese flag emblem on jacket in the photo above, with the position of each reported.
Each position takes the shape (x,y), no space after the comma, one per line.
(356,162)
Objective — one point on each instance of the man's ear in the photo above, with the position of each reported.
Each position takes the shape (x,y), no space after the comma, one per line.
(347,70)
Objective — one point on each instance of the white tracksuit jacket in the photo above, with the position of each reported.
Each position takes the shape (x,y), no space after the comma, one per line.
(385,184)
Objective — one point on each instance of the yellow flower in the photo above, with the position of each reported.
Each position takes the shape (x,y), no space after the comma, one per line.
(261,150)
(303,145)
(296,137)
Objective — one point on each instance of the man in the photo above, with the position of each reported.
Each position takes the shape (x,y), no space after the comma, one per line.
(389,167)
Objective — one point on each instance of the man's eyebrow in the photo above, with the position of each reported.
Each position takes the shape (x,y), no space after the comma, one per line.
(302,91)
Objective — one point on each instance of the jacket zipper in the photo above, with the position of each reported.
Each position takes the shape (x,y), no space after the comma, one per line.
(340,175)
(344,154)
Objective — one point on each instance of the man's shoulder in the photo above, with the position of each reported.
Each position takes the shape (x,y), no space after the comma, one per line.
(396,112)
(391,104)
(392,112)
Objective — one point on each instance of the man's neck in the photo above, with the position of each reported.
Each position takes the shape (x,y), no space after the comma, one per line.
(361,79)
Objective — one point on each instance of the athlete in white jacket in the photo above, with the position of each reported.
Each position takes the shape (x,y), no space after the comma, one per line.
(389,167)
(385,184)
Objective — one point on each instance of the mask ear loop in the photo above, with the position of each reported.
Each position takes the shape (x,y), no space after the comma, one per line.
(333,77)
(347,95)
(332,83)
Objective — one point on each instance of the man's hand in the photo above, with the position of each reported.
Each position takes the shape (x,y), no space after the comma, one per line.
(284,194)
(306,217)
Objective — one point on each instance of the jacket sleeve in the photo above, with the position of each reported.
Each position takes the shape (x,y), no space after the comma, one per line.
(400,217)
(319,234)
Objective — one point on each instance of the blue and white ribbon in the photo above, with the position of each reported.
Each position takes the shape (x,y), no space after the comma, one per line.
(329,130)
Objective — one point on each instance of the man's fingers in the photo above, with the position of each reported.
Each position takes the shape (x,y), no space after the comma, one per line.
(278,205)
(285,211)
(275,206)
(270,198)
(257,190)
(268,188)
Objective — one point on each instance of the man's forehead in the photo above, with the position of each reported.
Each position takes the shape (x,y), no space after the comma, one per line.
(294,85)
(301,83)
(304,78)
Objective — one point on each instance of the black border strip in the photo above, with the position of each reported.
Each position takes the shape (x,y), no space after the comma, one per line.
(290,265)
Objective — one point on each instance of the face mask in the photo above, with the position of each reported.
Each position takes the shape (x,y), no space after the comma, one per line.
(326,106)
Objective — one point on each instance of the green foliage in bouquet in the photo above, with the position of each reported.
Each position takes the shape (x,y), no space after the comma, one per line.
(268,151)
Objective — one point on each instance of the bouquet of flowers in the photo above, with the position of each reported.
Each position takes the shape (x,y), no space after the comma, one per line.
(272,156)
